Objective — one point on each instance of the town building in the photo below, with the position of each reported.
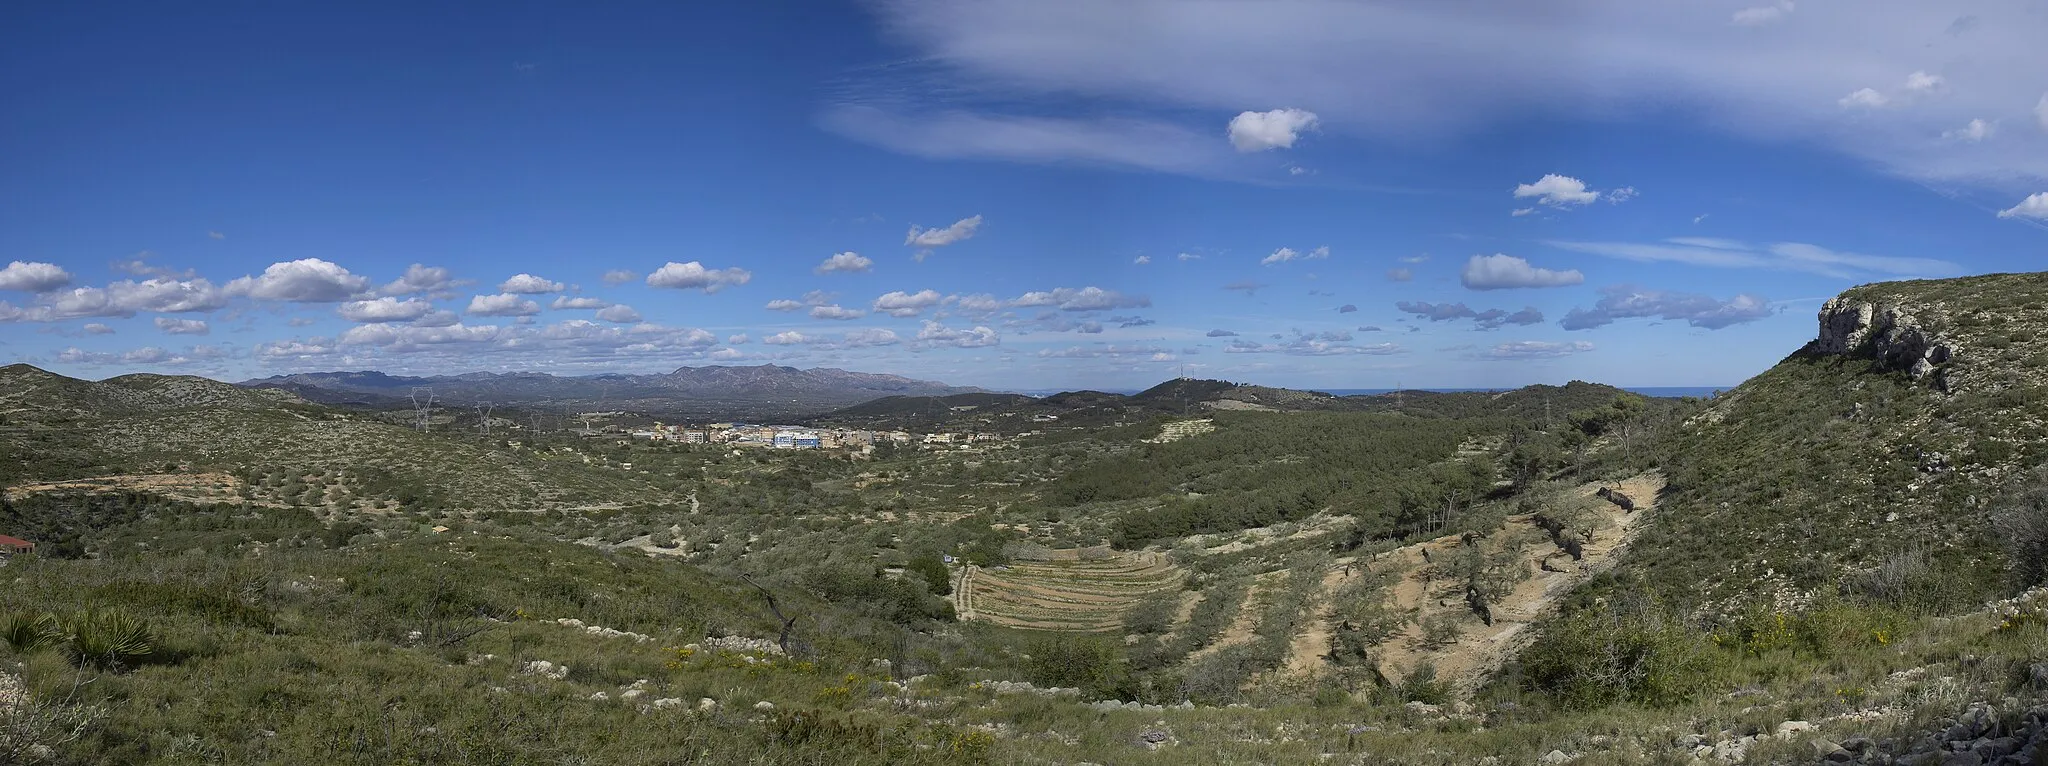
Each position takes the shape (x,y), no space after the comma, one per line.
(10,546)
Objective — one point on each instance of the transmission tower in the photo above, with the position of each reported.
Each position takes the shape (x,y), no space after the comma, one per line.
(484,410)
(422,411)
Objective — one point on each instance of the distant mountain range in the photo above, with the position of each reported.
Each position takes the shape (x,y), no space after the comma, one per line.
(715,391)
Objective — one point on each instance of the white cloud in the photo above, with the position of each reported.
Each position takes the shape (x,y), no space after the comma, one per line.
(528,284)
(693,276)
(1083,299)
(438,318)
(385,309)
(935,334)
(1189,257)
(1618,196)
(1922,82)
(578,302)
(123,299)
(95,328)
(869,337)
(407,337)
(961,230)
(1761,15)
(786,338)
(1500,272)
(1277,129)
(1866,98)
(1521,211)
(216,235)
(1329,343)
(1976,130)
(307,280)
(737,340)
(2034,206)
(1780,256)
(419,279)
(783,304)
(181,326)
(977,303)
(1142,260)
(1558,191)
(902,304)
(619,314)
(33,277)
(617,277)
(292,349)
(1626,302)
(1400,275)
(954,134)
(1408,72)
(501,305)
(1284,254)
(1535,349)
(836,312)
(848,262)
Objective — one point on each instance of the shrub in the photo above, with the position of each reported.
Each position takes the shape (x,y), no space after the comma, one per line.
(1606,655)
(1085,662)
(2021,523)
(102,639)
(1153,614)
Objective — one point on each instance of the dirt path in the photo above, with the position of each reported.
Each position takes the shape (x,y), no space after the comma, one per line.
(1482,648)
(963,594)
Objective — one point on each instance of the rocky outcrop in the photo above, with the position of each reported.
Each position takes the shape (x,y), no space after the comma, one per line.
(1889,334)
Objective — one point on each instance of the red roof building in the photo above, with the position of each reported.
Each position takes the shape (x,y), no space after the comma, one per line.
(13,545)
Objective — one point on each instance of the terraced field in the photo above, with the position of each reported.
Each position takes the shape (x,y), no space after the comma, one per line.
(1075,590)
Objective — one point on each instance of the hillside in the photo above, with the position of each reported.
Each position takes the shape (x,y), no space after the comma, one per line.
(1918,406)
(714,391)
(1012,413)
(270,447)
(29,389)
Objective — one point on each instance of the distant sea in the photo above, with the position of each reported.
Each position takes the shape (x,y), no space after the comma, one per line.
(1666,392)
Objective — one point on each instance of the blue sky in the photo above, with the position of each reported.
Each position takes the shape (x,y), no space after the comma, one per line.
(1007,193)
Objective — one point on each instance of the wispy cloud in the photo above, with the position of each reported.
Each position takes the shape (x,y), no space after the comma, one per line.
(1777,256)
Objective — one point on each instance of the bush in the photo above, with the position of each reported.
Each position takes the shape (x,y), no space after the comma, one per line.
(933,570)
(1153,614)
(1605,655)
(2021,523)
(101,639)
(1088,663)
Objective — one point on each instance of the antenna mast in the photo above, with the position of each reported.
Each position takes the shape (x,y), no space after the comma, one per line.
(422,411)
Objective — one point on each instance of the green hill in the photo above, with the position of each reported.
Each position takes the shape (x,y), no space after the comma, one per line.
(281,449)
(1918,407)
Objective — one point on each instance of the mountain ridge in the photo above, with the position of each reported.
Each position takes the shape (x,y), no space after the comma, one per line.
(714,390)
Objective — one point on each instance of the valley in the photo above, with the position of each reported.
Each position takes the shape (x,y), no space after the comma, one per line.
(1834,553)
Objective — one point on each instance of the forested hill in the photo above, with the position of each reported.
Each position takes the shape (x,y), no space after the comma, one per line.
(762,391)
(1010,413)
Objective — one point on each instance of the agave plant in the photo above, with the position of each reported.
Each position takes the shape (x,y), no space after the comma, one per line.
(26,633)
(107,639)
